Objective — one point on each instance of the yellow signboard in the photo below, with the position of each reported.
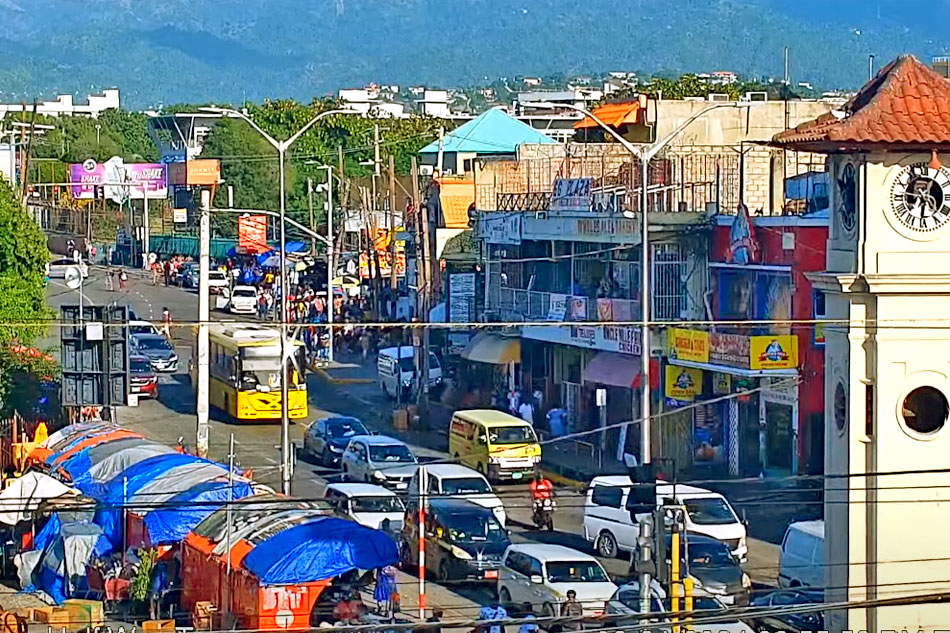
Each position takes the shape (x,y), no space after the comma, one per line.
(773,352)
(722,383)
(689,345)
(683,383)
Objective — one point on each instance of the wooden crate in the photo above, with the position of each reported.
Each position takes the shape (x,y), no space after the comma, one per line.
(84,613)
(158,626)
(53,616)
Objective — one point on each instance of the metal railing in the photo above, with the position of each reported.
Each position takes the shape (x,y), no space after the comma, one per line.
(515,304)
(572,450)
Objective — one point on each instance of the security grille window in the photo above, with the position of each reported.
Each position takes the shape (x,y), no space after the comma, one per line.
(669,282)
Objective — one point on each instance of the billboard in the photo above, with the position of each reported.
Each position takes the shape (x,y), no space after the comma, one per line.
(120,181)
(252,233)
(206,171)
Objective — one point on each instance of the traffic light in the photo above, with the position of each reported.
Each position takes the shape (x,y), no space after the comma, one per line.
(642,498)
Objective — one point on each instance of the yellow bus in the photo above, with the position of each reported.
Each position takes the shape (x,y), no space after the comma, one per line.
(244,371)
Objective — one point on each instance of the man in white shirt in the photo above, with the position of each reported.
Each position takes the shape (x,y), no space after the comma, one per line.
(526,412)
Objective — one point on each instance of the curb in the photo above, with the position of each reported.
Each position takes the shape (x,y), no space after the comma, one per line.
(324,375)
(561,480)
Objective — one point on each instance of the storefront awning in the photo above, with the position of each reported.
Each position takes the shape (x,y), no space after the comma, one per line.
(495,349)
(617,370)
(734,371)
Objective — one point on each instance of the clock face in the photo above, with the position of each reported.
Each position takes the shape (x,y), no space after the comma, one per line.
(847,198)
(920,197)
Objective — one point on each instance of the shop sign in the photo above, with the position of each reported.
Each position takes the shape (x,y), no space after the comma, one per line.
(722,383)
(683,383)
(612,338)
(571,194)
(585,336)
(557,309)
(626,338)
(502,228)
(689,345)
(773,352)
(595,226)
(252,233)
(179,215)
(461,297)
(731,350)
(578,308)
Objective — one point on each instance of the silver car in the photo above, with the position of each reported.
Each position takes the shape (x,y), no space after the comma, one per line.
(379,459)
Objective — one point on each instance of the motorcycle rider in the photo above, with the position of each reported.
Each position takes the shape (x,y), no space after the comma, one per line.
(542,493)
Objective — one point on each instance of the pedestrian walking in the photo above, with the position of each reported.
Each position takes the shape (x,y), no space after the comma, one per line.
(167,270)
(123,277)
(167,323)
(110,280)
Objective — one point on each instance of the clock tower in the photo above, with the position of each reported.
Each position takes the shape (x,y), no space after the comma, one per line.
(887,351)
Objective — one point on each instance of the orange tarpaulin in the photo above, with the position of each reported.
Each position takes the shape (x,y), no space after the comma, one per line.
(456,196)
(111,436)
(613,114)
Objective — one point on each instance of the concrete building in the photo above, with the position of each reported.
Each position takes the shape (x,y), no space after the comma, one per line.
(435,103)
(64,105)
(887,378)
(368,101)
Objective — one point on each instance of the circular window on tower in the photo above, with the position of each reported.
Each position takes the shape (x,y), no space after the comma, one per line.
(841,408)
(925,410)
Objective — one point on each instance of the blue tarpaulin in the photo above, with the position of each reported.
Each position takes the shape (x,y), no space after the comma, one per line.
(61,571)
(317,550)
(183,512)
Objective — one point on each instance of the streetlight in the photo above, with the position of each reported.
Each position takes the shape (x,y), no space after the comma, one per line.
(644,153)
(328,187)
(281,147)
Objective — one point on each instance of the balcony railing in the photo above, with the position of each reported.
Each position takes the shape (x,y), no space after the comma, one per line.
(515,304)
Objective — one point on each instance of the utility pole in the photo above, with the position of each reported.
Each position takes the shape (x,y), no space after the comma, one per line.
(646,557)
(204,315)
(330,257)
(313,240)
(392,230)
(146,247)
(423,501)
(422,292)
(227,582)
(377,281)
(438,163)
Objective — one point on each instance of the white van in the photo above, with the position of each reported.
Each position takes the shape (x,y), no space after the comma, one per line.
(610,528)
(802,559)
(453,480)
(396,366)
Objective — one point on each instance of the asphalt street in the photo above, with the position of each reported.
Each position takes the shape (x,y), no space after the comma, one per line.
(172,416)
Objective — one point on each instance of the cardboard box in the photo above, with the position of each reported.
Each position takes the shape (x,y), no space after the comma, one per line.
(203,615)
(158,626)
(83,613)
(400,420)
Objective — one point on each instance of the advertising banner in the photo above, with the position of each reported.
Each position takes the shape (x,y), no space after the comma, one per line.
(252,233)
(689,345)
(557,310)
(773,352)
(571,194)
(731,350)
(683,383)
(120,181)
(206,171)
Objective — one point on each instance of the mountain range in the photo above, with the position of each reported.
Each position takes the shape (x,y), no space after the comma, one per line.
(170,51)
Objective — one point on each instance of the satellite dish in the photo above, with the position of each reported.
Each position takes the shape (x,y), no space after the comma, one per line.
(73,277)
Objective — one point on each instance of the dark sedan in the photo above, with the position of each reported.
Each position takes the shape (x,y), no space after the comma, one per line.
(327,437)
(160,352)
(811,621)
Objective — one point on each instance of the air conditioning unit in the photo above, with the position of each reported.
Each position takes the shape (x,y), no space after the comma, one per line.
(425,170)
(757,96)
(718,96)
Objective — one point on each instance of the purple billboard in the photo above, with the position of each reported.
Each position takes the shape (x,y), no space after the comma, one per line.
(120,181)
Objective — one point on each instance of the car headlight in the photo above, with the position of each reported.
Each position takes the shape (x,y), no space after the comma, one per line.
(746,581)
(378,474)
(173,358)
(460,553)
(742,542)
(500,514)
(336,449)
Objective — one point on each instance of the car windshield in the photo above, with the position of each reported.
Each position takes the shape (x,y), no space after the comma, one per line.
(709,511)
(710,556)
(391,453)
(407,364)
(464,485)
(576,571)
(630,598)
(377,504)
(216,274)
(153,343)
(139,366)
(337,429)
(512,435)
(476,527)
(142,329)
(244,292)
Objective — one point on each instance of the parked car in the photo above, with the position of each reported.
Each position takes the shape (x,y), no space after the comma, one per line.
(327,437)
(57,268)
(217,281)
(464,541)
(712,567)
(187,275)
(452,480)
(542,574)
(159,351)
(802,557)
(811,621)
(610,524)
(379,459)
(396,368)
(243,300)
(143,381)
(138,326)
(368,504)
(626,602)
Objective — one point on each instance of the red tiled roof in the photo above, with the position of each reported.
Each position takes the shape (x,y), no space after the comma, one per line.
(906,104)
(613,114)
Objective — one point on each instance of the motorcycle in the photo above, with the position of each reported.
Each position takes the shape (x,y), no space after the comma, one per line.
(542,513)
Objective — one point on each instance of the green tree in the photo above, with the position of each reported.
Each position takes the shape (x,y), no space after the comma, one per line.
(24,315)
